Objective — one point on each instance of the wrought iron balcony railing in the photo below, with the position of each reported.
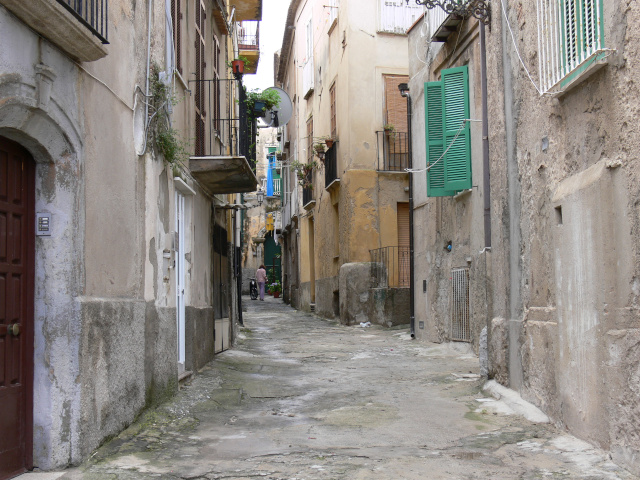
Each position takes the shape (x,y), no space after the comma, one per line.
(393,151)
(93,14)
(331,165)
(249,35)
(390,267)
(217,133)
(307,192)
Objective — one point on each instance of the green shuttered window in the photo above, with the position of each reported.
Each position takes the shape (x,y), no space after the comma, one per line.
(448,133)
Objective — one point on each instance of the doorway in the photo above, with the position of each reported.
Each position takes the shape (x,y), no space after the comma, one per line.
(180,280)
(17,253)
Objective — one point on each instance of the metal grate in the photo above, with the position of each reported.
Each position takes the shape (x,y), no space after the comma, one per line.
(93,14)
(460,330)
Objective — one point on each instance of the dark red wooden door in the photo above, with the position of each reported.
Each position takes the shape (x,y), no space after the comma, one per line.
(17,224)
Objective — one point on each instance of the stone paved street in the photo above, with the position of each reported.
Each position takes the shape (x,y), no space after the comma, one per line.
(300,397)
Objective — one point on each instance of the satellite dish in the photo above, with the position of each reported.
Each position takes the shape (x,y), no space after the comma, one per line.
(281,114)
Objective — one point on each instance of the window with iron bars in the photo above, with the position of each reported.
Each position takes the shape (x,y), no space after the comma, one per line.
(570,39)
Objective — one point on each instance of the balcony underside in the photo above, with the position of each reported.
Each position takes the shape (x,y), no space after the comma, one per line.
(252,55)
(448,27)
(224,174)
(54,22)
(247,9)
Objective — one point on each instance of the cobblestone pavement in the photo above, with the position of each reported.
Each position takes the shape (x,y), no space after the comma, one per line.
(304,398)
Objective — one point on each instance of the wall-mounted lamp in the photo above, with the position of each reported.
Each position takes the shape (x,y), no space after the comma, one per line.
(260,197)
(404,89)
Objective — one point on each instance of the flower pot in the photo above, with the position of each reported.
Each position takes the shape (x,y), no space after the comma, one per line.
(329,142)
(276,294)
(238,67)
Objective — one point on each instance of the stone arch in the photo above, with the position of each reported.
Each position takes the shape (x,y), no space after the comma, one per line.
(53,139)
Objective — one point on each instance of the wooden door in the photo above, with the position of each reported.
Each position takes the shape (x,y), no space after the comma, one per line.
(17,245)
(402,274)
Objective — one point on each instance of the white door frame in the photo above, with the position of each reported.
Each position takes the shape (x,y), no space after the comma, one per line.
(180,280)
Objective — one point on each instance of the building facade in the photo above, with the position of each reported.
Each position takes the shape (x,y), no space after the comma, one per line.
(118,239)
(527,233)
(344,180)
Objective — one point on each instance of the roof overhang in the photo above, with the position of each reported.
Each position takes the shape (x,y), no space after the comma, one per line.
(223,174)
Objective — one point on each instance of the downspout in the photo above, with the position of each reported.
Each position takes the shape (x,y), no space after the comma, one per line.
(412,317)
(486,184)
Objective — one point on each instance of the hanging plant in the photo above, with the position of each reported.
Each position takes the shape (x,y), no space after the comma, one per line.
(303,171)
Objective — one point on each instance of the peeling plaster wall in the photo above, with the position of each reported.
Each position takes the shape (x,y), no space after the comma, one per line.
(359,214)
(105,317)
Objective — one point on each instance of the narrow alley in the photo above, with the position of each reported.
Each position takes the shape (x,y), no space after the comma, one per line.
(302,397)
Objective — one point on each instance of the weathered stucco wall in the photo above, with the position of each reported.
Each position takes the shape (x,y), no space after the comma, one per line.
(105,316)
(455,220)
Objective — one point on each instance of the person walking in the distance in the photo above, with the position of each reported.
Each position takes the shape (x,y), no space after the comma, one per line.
(261,278)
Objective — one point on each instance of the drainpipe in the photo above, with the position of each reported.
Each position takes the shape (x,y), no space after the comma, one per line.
(404,91)
(486,184)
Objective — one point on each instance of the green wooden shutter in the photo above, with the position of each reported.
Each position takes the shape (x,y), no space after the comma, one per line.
(434,135)
(457,131)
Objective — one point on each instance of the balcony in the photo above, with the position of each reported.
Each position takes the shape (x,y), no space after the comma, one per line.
(308,199)
(222,154)
(393,151)
(249,44)
(331,167)
(78,27)
(246,9)
(442,24)
(390,267)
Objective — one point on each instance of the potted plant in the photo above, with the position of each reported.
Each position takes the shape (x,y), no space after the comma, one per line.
(275,288)
(237,65)
(329,142)
(319,147)
(259,102)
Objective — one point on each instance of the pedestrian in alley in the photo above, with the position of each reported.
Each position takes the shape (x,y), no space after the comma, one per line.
(261,278)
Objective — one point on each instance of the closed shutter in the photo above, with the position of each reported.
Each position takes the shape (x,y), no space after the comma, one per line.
(176,12)
(403,225)
(199,86)
(435,140)
(457,132)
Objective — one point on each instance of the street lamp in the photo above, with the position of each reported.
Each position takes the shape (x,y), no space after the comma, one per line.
(404,91)
(260,197)
(467,8)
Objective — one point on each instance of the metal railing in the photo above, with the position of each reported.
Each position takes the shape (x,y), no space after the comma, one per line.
(249,35)
(393,151)
(331,165)
(218,136)
(307,192)
(390,267)
(93,14)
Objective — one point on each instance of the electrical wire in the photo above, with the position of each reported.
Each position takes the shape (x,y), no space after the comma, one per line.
(513,38)
(464,122)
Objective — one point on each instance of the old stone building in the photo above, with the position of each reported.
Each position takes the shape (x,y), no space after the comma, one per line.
(345,186)
(119,174)
(528,232)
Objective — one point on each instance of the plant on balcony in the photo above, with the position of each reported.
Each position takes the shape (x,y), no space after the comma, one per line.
(302,172)
(389,131)
(238,64)
(167,140)
(259,102)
